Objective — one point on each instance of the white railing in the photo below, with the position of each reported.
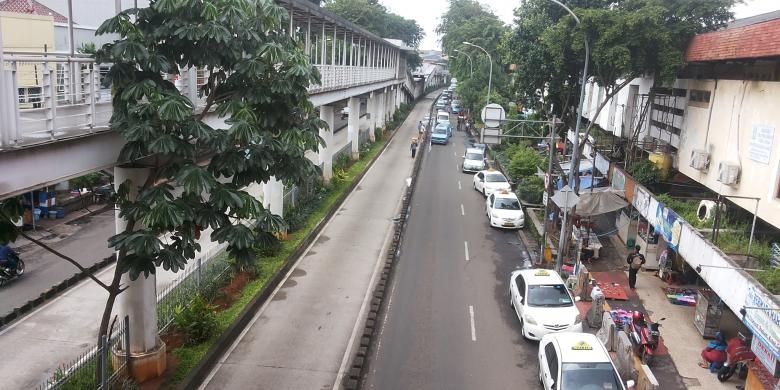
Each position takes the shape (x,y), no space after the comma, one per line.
(54,96)
(335,77)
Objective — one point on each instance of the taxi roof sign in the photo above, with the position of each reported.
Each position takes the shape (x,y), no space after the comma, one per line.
(582,346)
(542,272)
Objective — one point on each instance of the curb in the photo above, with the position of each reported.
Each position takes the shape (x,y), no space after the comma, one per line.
(54,291)
(358,366)
(218,349)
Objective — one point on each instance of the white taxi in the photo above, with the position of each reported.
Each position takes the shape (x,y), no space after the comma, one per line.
(489,181)
(542,303)
(577,361)
(504,210)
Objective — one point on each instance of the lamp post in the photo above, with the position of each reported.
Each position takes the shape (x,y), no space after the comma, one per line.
(575,154)
(471,64)
(490,77)
(575,161)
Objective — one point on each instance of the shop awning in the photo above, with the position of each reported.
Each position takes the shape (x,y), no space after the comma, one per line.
(600,201)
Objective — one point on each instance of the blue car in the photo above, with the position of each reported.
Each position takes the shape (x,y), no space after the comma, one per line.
(440,134)
(447,125)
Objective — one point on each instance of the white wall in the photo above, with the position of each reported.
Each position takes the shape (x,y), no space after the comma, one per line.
(613,115)
(735,107)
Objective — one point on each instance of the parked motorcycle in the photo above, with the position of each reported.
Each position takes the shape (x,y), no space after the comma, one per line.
(738,353)
(644,335)
(7,275)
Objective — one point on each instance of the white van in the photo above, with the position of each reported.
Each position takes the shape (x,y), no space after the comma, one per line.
(442,116)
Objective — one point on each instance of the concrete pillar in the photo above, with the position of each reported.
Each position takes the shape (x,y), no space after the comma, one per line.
(326,152)
(139,301)
(371,108)
(381,111)
(353,125)
(273,196)
(399,95)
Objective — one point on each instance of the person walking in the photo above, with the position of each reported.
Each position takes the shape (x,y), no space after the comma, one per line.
(635,261)
(413,147)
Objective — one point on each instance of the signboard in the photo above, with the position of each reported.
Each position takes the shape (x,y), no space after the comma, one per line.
(492,115)
(765,324)
(760,148)
(618,180)
(669,225)
(764,354)
(491,136)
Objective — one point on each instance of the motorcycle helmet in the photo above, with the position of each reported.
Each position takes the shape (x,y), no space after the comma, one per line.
(637,316)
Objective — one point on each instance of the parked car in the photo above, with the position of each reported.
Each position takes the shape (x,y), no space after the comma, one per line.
(455,108)
(442,116)
(577,361)
(489,181)
(542,303)
(504,211)
(439,135)
(440,105)
(473,160)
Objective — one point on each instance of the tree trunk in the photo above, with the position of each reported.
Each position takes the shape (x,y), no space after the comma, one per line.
(105,319)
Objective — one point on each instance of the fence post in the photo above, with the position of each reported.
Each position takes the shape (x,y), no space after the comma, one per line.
(128,364)
(103,350)
(197,279)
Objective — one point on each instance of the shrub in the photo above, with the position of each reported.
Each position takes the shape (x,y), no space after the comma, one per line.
(197,321)
(523,162)
(646,173)
(770,279)
(531,189)
(342,162)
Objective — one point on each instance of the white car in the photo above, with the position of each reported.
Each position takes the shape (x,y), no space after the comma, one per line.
(577,361)
(473,160)
(490,181)
(504,210)
(542,303)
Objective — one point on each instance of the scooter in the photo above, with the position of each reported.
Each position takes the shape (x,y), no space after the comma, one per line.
(738,353)
(644,335)
(8,275)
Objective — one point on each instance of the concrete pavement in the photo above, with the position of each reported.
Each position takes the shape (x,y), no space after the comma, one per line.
(448,323)
(300,337)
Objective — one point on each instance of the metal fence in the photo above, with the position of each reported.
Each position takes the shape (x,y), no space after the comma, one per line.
(775,256)
(81,373)
(204,278)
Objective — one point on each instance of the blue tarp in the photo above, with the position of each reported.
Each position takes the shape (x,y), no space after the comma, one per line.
(585,182)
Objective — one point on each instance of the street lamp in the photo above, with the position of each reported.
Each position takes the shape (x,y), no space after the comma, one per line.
(575,154)
(471,65)
(490,78)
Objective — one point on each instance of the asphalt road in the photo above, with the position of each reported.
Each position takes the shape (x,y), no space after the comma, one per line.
(43,269)
(448,323)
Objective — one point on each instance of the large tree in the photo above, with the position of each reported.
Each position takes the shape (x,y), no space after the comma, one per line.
(628,39)
(257,79)
(376,18)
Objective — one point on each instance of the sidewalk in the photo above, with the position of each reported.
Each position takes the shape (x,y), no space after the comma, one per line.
(681,341)
(301,338)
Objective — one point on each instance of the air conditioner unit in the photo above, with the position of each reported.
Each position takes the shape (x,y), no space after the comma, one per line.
(700,159)
(728,173)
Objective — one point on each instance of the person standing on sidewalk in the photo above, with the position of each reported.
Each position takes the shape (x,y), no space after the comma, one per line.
(413,147)
(635,261)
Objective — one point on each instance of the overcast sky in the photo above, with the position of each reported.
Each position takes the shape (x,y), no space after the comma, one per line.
(428,12)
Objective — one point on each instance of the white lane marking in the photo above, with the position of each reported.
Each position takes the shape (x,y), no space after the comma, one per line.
(473,328)
(457,167)
(466,246)
(459,185)
(454,153)
(462,210)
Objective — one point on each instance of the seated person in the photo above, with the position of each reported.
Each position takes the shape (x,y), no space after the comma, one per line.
(714,354)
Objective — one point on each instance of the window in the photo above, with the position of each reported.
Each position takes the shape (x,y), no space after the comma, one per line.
(589,376)
(552,361)
(548,295)
(520,285)
(507,204)
(495,178)
(699,98)
(30,97)
(474,156)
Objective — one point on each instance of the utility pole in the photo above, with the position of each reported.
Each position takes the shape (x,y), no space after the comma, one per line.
(548,188)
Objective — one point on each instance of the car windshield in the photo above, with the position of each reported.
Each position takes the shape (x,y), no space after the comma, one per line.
(495,178)
(506,204)
(589,376)
(440,130)
(548,295)
(473,156)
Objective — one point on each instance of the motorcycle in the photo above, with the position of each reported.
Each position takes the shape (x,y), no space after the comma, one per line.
(644,335)
(8,275)
(738,353)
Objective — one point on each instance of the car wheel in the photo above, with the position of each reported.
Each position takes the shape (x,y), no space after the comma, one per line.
(484,193)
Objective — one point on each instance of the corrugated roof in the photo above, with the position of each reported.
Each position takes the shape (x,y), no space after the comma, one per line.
(31,7)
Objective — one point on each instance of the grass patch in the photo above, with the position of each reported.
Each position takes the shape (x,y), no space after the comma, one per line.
(187,357)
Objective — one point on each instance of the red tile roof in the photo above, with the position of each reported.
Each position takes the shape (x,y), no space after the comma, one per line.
(759,40)
(31,7)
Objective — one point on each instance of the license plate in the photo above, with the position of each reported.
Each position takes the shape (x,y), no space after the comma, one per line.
(507,224)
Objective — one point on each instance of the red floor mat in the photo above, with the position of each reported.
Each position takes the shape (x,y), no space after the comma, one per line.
(613,284)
